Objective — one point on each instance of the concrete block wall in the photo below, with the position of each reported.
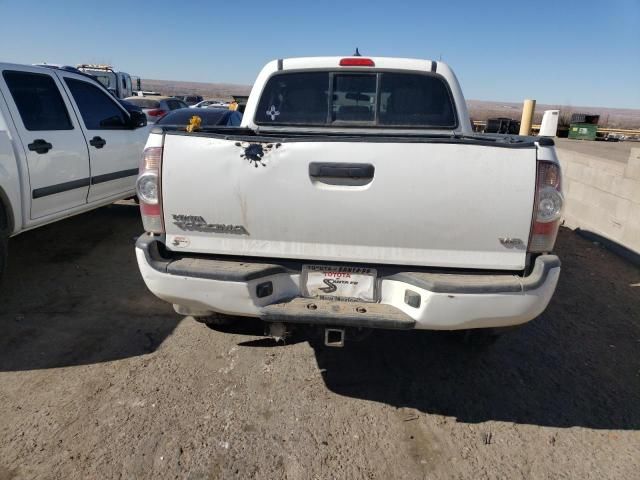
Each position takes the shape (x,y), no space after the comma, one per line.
(603,196)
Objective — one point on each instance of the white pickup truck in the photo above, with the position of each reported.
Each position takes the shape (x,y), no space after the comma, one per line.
(66,146)
(354,194)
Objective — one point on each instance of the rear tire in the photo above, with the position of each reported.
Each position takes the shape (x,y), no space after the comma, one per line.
(4,237)
(4,250)
(481,338)
(217,320)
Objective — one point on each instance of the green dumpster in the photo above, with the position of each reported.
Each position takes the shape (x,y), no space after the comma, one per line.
(583,131)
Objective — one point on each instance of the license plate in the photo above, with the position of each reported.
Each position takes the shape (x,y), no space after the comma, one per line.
(348,284)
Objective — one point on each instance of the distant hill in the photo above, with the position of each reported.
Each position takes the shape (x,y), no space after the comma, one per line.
(219,91)
(478,109)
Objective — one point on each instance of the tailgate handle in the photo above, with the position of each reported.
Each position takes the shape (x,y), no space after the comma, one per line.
(341,170)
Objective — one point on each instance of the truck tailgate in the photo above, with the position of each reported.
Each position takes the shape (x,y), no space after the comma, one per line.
(405,203)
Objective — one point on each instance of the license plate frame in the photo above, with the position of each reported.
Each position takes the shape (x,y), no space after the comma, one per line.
(366,289)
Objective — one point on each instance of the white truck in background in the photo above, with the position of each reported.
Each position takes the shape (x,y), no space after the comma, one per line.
(354,195)
(118,83)
(66,146)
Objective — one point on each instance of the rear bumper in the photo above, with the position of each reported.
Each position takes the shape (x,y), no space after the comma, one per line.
(446,301)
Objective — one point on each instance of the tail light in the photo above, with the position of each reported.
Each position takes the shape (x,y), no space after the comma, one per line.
(148,190)
(547,208)
(157,112)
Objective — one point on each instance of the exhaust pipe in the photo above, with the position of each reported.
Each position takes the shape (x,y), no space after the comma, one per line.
(334,337)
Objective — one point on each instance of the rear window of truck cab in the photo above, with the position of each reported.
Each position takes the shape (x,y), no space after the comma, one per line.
(380,99)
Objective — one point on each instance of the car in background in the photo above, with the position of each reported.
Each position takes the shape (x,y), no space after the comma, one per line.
(210,104)
(190,99)
(156,107)
(146,93)
(129,107)
(67,145)
(210,117)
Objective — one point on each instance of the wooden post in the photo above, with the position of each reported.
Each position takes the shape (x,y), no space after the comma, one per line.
(527,117)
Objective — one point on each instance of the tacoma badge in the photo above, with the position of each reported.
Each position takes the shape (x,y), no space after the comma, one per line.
(198,224)
(512,242)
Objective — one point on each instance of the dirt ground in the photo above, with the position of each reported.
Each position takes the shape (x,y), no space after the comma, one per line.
(99,379)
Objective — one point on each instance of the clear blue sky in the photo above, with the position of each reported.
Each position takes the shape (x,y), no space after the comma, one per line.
(582,52)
